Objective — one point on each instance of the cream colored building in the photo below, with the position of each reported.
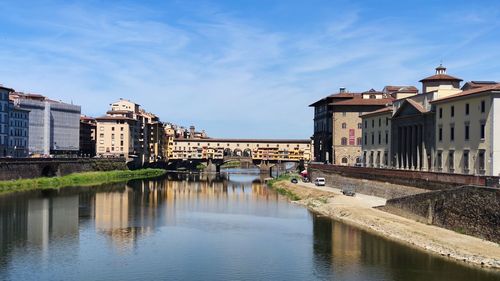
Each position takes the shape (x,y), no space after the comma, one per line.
(467,126)
(377,138)
(129,131)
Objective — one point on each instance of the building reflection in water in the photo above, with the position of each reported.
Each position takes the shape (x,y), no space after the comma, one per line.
(38,221)
(142,206)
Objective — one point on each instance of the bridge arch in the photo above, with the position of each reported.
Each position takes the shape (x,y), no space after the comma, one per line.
(49,171)
(237,152)
(228,152)
(247,152)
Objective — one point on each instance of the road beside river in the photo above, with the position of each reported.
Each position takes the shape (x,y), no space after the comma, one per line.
(358,211)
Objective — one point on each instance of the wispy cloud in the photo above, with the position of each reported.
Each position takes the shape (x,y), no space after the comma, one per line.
(236,76)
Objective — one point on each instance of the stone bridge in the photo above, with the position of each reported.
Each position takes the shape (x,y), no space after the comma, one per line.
(264,153)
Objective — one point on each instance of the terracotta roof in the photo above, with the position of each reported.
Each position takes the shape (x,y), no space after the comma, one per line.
(477,84)
(118,111)
(343,95)
(406,89)
(417,105)
(378,111)
(247,140)
(361,101)
(440,77)
(114,118)
(495,87)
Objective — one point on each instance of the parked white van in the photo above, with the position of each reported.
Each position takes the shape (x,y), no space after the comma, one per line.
(319,181)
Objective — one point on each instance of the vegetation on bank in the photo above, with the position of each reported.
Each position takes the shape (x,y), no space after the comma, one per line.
(201,166)
(78,179)
(283,191)
(231,164)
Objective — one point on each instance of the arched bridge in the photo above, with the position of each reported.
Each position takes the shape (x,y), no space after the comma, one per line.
(258,150)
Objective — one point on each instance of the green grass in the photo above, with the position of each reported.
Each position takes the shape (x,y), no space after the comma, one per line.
(78,179)
(231,164)
(200,166)
(283,191)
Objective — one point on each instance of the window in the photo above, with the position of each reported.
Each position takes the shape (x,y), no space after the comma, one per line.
(360,125)
(483,106)
(481,161)
(387,121)
(344,160)
(440,112)
(343,141)
(482,130)
(466,162)
(452,112)
(358,141)
(440,134)
(466,130)
(366,124)
(373,123)
(379,122)
(452,132)
(373,138)
(466,109)
(386,137)
(439,160)
(451,161)
(386,159)
(344,125)
(366,139)
(379,137)
(121,129)
(112,128)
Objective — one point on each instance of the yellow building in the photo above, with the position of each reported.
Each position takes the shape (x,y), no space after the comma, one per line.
(129,131)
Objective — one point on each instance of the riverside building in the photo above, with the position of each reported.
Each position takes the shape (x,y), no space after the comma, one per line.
(4,120)
(443,129)
(337,134)
(128,131)
(54,126)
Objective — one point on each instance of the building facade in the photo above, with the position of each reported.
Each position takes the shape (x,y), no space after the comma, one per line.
(4,120)
(377,138)
(129,131)
(87,136)
(18,131)
(444,129)
(54,126)
(337,134)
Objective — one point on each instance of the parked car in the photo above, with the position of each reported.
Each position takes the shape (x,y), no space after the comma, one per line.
(305,179)
(348,192)
(294,180)
(319,181)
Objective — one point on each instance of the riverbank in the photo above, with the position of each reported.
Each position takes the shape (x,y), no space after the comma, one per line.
(77,179)
(359,212)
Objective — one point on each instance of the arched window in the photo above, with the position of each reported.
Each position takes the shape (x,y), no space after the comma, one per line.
(344,160)
(359,141)
(344,125)
(343,141)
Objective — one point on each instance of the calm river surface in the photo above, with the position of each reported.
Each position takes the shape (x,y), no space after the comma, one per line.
(192,227)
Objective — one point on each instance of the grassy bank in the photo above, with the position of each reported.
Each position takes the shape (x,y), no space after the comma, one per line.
(284,178)
(231,164)
(77,179)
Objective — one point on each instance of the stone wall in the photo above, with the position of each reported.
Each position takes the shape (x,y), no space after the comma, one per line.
(24,168)
(470,210)
(363,186)
(420,179)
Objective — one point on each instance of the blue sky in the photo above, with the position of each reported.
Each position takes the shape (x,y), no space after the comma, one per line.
(239,68)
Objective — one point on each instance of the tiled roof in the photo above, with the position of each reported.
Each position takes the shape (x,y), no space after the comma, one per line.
(378,111)
(114,118)
(417,105)
(406,89)
(441,77)
(247,140)
(495,87)
(361,101)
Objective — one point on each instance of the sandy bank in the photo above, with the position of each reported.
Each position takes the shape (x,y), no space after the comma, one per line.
(358,211)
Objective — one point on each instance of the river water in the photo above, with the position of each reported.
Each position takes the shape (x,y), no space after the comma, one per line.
(196,227)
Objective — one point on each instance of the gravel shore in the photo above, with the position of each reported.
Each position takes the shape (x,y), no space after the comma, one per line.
(358,211)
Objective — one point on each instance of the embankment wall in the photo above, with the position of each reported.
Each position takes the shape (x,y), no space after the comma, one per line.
(24,168)
(471,210)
